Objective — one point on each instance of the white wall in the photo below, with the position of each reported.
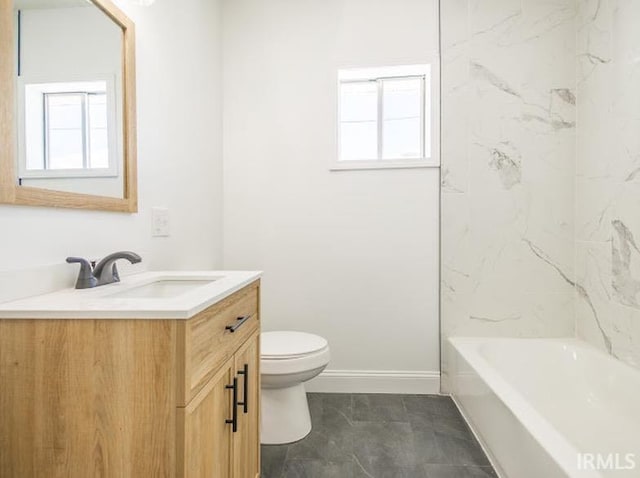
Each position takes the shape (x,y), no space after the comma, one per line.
(179,156)
(349,255)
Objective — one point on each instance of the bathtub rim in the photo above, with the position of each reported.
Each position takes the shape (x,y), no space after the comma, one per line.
(554,443)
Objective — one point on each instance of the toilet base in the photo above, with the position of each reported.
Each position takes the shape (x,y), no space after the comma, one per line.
(284,415)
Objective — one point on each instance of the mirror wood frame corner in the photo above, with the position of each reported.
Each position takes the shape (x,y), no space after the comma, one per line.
(13,193)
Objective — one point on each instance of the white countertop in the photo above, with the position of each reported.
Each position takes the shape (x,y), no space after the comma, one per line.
(96,303)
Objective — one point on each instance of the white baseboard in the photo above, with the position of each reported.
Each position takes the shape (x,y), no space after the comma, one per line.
(375,381)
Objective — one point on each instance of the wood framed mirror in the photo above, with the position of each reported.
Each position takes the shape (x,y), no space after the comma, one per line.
(67,105)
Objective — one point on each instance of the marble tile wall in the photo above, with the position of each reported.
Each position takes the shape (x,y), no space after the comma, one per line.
(607,220)
(508,169)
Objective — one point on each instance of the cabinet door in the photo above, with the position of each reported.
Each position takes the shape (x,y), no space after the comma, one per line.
(246,442)
(204,429)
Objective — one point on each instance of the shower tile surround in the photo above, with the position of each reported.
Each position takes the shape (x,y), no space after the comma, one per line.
(541,171)
(508,154)
(608,177)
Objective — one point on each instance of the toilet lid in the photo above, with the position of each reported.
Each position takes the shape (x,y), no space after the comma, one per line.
(283,345)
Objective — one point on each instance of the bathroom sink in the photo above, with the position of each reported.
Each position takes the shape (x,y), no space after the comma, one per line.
(147,295)
(161,289)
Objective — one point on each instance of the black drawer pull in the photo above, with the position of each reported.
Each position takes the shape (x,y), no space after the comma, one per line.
(236,326)
(245,402)
(234,420)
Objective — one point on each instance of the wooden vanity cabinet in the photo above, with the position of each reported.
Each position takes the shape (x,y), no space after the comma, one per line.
(246,442)
(133,398)
(209,445)
(204,436)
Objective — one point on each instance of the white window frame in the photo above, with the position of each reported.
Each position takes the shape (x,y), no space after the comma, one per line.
(431,109)
(87,161)
(82,85)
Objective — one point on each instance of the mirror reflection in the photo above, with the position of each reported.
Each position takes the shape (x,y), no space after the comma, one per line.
(69,104)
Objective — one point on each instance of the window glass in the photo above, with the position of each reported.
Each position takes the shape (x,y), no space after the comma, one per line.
(67,127)
(385,113)
(359,140)
(359,120)
(64,131)
(98,137)
(65,149)
(402,116)
(64,111)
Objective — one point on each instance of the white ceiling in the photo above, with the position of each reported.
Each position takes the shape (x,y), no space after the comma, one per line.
(39,4)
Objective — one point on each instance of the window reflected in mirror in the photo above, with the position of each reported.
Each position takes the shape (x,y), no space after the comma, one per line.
(69,107)
(69,129)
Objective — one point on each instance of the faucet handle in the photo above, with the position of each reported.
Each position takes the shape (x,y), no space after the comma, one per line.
(86,279)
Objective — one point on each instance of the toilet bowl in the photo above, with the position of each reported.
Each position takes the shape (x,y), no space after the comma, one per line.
(287,360)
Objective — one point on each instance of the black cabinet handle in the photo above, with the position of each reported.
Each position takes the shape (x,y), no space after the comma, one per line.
(245,402)
(234,415)
(239,322)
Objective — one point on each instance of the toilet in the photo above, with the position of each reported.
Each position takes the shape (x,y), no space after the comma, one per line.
(287,360)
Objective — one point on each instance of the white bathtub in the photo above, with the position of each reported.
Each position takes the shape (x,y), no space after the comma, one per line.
(546,408)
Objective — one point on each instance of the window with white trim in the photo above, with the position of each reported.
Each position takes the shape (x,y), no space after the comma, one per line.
(67,129)
(385,116)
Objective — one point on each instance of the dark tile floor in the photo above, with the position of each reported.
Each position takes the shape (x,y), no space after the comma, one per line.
(380,436)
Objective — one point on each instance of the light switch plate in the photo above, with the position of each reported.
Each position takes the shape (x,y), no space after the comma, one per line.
(160,223)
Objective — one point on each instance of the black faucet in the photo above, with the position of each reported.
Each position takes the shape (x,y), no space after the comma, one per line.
(104,272)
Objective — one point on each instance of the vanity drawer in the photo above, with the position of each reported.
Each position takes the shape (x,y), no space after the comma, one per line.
(205,342)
